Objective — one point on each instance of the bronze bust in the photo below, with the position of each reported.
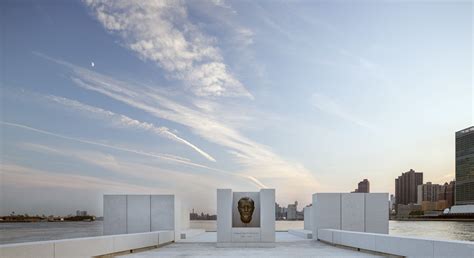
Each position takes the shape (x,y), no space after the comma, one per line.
(246,207)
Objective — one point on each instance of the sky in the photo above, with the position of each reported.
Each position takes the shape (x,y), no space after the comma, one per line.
(184,97)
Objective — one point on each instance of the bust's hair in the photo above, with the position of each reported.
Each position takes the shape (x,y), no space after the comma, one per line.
(246,199)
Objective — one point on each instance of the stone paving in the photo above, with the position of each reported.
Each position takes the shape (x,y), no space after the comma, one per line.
(287,245)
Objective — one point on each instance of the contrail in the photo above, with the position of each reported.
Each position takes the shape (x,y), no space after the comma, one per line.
(126,121)
(250,178)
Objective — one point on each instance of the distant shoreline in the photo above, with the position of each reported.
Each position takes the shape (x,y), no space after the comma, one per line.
(434,219)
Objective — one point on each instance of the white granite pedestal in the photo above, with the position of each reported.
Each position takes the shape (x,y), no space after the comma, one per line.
(232,232)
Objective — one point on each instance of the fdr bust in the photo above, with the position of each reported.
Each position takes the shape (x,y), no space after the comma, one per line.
(246,207)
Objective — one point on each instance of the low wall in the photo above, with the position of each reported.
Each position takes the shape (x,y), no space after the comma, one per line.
(186,234)
(306,234)
(86,247)
(397,245)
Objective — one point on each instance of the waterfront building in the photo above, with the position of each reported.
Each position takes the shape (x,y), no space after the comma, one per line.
(404,210)
(280,212)
(195,216)
(292,211)
(428,205)
(392,202)
(363,187)
(442,205)
(81,213)
(446,193)
(406,187)
(435,197)
(465,166)
(277,211)
(428,192)
(300,215)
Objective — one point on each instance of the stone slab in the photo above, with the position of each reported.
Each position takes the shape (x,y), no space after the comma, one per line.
(306,234)
(115,214)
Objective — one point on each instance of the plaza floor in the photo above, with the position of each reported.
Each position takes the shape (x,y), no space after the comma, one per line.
(204,245)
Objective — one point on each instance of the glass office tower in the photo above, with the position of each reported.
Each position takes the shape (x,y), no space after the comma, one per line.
(465,166)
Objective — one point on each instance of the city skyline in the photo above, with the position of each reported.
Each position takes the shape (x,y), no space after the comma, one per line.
(186,97)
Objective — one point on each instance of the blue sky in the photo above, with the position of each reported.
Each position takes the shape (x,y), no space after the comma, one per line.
(186,97)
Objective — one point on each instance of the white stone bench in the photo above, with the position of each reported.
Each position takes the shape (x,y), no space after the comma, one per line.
(189,233)
(398,245)
(86,247)
(306,234)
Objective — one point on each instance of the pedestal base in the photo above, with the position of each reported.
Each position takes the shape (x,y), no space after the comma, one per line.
(254,245)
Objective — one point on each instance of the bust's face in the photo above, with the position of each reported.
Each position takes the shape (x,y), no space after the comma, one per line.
(246,208)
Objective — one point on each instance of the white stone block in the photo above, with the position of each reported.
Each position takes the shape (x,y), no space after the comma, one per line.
(267,215)
(357,240)
(181,217)
(326,212)
(162,212)
(337,237)
(246,235)
(84,247)
(224,215)
(416,247)
(135,241)
(231,229)
(453,249)
(387,244)
(28,250)
(398,245)
(138,213)
(165,236)
(115,214)
(307,218)
(189,233)
(306,234)
(325,235)
(353,213)
(376,213)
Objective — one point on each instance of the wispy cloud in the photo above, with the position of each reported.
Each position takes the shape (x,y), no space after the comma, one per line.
(373,69)
(256,160)
(328,105)
(165,157)
(161,31)
(22,176)
(151,171)
(125,121)
(206,124)
(361,61)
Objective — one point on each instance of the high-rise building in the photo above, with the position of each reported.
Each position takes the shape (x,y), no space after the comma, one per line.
(363,187)
(392,202)
(278,211)
(406,187)
(446,195)
(428,192)
(292,211)
(465,166)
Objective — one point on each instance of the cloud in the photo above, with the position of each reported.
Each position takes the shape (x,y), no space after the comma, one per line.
(165,157)
(331,107)
(373,69)
(160,31)
(125,121)
(127,167)
(204,124)
(249,158)
(18,175)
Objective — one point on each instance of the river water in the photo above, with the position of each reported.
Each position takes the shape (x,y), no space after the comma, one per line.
(41,231)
